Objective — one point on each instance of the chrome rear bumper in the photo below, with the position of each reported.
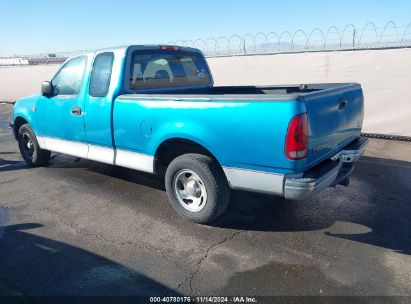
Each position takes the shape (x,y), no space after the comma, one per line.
(328,174)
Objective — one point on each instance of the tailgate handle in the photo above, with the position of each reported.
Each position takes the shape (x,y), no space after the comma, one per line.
(342,104)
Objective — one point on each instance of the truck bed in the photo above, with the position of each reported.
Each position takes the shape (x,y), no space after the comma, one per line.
(244,93)
(255,111)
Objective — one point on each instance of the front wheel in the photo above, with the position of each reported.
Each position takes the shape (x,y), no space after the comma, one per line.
(30,149)
(197,187)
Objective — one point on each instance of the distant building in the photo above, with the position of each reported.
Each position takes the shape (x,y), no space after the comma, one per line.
(39,60)
(46,60)
(13,61)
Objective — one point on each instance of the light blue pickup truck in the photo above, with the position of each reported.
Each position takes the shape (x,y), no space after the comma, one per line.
(155,109)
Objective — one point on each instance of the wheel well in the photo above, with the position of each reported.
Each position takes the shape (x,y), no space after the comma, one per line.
(172,148)
(18,122)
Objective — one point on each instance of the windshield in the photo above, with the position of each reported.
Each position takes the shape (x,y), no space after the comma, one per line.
(153,69)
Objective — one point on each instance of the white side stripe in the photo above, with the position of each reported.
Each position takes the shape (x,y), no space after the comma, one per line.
(40,140)
(127,159)
(63,146)
(257,181)
(101,154)
(137,161)
(238,178)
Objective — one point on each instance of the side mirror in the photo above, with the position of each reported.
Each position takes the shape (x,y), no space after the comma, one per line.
(46,88)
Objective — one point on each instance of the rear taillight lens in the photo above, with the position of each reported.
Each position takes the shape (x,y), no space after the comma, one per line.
(296,143)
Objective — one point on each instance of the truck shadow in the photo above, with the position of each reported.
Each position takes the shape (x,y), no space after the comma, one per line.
(375,209)
(378,203)
(61,161)
(12,165)
(32,265)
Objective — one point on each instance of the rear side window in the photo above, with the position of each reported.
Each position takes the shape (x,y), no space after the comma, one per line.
(154,69)
(101,74)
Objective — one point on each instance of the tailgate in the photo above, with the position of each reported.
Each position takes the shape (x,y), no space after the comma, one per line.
(335,119)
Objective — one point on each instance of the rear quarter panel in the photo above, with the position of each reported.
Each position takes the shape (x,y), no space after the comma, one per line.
(247,135)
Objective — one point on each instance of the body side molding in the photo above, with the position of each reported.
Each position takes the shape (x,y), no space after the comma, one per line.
(123,158)
(257,181)
(133,160)
(73,148)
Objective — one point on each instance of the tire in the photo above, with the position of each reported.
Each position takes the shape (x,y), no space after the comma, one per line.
(29,148)
(199,179)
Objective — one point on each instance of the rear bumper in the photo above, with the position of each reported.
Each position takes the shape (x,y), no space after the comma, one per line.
(327,174)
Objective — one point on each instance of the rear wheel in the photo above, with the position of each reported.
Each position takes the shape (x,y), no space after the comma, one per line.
(30,149)
(197,187)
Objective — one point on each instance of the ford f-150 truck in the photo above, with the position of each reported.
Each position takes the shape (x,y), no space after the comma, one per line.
(155,109)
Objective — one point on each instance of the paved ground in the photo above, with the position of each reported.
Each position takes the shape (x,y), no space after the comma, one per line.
(83,228)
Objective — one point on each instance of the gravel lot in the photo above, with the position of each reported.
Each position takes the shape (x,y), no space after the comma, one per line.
(79,227)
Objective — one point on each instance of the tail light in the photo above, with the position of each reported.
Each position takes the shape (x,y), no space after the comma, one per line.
(296,143)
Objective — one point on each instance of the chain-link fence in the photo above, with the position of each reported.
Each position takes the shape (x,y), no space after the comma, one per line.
(349,37)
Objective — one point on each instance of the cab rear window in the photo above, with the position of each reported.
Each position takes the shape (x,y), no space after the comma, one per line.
(154,69)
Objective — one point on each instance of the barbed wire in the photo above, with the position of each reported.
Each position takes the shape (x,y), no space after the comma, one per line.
(349,37)
(333,39)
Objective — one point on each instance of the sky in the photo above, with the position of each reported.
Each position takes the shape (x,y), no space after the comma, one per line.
(38,26)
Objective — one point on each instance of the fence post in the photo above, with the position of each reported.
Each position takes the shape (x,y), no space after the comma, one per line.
(353,38)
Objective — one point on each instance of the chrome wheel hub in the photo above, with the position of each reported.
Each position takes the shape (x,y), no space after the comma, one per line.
(193,188)
(28,146)
(190,190)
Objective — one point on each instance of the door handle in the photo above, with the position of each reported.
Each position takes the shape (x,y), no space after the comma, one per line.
(342,104)
(76,111)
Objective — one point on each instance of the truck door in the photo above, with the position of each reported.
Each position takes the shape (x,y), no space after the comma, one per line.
(98,122)
(60,116)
